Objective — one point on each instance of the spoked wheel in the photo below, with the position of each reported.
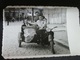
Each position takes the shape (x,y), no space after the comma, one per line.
(51,43)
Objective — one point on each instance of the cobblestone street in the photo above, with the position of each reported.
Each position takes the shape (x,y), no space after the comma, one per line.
(10,44)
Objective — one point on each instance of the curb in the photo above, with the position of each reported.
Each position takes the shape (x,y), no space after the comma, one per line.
(61,43)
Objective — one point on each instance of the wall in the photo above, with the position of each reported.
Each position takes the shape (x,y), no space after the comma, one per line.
(57,17)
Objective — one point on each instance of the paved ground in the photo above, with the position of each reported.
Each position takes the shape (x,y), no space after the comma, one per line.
(10,44)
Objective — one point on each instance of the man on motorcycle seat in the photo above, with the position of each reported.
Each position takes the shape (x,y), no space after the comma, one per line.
(41,26)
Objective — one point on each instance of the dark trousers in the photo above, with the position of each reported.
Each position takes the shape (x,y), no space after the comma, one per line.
(22,36)
(42,36)
(40,33)
(39,36)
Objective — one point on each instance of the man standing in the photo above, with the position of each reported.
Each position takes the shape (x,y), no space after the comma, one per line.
(36,16)
(23,17)
(8,18)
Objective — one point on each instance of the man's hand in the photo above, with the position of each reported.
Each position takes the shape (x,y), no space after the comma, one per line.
(43,27)
(36,26)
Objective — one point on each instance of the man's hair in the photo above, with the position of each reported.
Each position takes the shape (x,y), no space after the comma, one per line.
(37,12)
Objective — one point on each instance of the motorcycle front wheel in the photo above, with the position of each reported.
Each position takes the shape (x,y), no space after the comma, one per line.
(50,38)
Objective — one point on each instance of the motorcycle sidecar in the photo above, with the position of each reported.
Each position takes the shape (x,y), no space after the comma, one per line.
(29,35)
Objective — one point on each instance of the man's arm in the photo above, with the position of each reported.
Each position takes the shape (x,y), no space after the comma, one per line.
(32,23)
(44,25)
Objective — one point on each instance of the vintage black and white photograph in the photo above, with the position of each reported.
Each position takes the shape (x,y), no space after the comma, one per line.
(34,31)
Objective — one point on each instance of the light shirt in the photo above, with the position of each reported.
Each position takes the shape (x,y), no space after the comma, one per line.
(41,23)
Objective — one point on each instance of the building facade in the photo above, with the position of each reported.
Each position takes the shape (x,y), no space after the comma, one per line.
(55,15)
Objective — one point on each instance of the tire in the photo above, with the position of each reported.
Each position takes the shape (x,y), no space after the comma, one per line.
(51,44)
(52,47)
(19,39)
(19,43)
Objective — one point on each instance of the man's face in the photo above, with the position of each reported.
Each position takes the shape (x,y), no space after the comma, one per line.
(37,14)
(40,18)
